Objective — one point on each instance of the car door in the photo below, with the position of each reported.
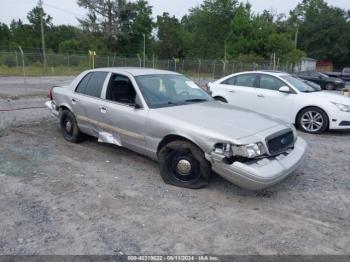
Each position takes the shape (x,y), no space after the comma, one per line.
(240,90)
(85,101)
(122,115)
(270,101)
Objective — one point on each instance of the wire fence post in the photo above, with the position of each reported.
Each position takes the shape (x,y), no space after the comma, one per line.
(223,67)
(199,70)
(214,68)
(68,61)
(24,71)
(140,60)
(17,64)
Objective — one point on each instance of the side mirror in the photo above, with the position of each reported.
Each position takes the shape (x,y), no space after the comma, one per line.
(284,89)
(136,105)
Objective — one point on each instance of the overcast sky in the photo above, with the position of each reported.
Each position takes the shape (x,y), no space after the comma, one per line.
(66,11)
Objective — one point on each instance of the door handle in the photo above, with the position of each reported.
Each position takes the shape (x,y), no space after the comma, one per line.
(261,96)
(103,109)
(232,91)
(74,101)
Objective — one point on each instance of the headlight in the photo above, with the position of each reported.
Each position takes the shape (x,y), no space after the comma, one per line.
(341,107)
(248,151)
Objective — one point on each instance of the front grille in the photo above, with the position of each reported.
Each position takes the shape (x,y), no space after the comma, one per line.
(280,143)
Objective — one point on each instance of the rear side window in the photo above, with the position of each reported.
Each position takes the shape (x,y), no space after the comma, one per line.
(248,80)
(83,83)
(270,82)
(92,84)
(230,81)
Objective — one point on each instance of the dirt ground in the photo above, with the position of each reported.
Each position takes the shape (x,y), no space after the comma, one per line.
(91,198)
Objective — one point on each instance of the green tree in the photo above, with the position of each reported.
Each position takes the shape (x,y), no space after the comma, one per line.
(34,18)
(207,28)
(324,31)
(5,36)
(170,41)
(112,17)
(141,25)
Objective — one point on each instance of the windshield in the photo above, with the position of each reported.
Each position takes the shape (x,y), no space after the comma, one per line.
(170,90)
(323,75)
(298,84)
(313,85)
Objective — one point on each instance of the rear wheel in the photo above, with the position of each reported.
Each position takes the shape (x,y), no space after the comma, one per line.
(183,164)
(69,127)
(221,99)
(313,120)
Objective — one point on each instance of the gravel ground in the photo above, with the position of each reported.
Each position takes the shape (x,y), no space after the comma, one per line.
(91,198)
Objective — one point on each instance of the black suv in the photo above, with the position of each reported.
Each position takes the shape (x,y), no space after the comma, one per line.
(325,82)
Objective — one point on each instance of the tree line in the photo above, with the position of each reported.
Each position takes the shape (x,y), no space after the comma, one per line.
(217,29)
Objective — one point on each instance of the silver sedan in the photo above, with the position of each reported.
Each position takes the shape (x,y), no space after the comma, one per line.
(167,117)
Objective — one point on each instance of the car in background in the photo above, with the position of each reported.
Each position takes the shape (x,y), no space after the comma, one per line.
(167,117)
(286,97)
(312,84)
(346,74)
(326,82)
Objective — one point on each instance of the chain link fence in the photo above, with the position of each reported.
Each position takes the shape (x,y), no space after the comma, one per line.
(71,64)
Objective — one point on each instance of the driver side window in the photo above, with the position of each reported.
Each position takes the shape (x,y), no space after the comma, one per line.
(121,90)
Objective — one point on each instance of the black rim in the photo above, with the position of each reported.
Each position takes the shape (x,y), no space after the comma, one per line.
(184,167)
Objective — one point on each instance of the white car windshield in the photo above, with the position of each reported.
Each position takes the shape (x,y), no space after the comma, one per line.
(298,84)
(170,90)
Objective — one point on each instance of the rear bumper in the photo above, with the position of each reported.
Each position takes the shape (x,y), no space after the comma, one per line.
(53,108)
(264,173)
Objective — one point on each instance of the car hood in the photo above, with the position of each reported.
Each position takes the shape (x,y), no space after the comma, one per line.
(335,79)
(218,119)
(330,96)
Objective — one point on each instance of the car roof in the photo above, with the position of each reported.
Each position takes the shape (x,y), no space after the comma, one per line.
(267,72)
(135,71)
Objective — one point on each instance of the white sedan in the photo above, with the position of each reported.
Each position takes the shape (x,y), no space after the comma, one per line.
(286,97)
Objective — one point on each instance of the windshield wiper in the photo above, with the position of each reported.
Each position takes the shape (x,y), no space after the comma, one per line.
(196,100)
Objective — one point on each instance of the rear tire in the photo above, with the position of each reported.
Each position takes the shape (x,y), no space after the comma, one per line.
(313,120)
(69,127)
(183,164)
(221,99)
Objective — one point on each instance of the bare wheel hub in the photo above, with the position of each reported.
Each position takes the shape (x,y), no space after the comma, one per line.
(69,126)
(184,167)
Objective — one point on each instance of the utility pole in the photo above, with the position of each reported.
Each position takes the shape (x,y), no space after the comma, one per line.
(144,50)
(296,37)
(40,3)
(24,71)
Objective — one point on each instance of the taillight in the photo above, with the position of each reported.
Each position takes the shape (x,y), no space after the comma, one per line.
(50,94)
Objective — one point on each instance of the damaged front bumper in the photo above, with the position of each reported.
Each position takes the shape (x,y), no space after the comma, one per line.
(263,173)
(53,108)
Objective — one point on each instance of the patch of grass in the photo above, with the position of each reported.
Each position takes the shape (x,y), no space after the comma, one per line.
(39,71)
